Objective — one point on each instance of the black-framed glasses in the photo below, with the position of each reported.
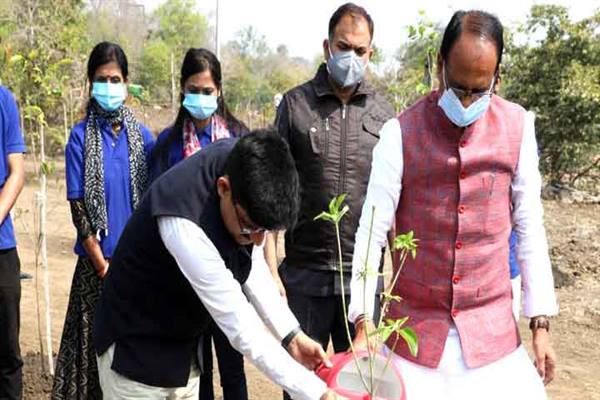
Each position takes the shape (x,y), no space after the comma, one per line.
(245,230)
(462,93)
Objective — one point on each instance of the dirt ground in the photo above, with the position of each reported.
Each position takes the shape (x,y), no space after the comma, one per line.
(573,232)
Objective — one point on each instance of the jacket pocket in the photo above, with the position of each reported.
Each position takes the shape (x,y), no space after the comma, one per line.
(318,134)
(372,126)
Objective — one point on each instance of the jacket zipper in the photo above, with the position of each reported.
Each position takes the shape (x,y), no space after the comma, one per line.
(342,182)
(326,156)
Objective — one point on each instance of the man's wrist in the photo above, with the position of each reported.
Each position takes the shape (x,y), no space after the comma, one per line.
(539,322)
(285,342)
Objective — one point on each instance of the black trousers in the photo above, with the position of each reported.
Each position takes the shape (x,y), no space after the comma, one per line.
(231,367)
(321,318)
(11,386)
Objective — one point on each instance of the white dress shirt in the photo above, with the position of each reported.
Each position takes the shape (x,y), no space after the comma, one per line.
(383,192)
(221,294)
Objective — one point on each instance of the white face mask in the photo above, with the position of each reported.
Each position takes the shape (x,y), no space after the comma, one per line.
(456,112)
(346,67)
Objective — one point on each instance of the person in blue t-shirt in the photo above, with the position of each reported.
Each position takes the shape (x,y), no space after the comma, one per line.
(107,173)
(12,179)
(202,119)
(515,275)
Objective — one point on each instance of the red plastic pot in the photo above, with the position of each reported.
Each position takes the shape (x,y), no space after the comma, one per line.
(344,379)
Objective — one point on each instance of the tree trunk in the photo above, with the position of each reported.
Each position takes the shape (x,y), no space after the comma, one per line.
(173,94)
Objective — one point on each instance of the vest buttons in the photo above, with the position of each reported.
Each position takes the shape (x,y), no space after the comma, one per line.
(461,209)
(455,279)
(458,245)
(454,313)
(463,174)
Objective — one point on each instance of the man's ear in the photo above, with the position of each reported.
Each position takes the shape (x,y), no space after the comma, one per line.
(438,73)
(498,80)
(224,187)
(326,49)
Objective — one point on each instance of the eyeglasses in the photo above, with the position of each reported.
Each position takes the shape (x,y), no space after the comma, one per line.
(246,231)
(462,93)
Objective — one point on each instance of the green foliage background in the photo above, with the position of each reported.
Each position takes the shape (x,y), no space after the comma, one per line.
(551,66)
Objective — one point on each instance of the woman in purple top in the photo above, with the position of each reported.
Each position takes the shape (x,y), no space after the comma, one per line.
(107,173)
(202,119)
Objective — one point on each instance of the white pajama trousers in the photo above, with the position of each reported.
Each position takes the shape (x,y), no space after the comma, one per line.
(117,387)
(513,377)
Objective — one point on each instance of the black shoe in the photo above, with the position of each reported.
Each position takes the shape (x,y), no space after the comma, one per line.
(24,276)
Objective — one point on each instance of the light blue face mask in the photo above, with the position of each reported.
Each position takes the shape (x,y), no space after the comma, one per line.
(454,109)
(201,106)
(109,96)
(346,68)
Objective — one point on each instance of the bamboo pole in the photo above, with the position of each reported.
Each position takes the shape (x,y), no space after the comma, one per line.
(43,248)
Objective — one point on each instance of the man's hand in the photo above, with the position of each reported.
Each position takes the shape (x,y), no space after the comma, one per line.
(308,352)
(331,395)
(270,252)
(280,287)
(545,357)
(362,327)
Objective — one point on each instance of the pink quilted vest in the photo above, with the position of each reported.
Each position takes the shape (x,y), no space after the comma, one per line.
(456,199)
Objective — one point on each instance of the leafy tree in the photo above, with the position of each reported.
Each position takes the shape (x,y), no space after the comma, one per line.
(413,73)
(155,71)
(558,77)
(181,26)
(253,74)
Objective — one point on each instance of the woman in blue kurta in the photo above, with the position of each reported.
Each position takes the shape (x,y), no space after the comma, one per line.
(107,173)
(202,119)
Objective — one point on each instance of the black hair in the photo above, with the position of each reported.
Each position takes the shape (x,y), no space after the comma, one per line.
(264,180)
(103,53)
(477,22)
(194,62)
(353,10)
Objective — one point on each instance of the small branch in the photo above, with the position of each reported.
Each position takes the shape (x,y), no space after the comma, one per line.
(585,171)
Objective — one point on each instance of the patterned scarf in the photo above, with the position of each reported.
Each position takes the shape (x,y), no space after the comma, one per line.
(94,197)
(191,144)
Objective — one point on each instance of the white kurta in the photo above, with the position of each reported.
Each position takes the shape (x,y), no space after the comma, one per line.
(513,377)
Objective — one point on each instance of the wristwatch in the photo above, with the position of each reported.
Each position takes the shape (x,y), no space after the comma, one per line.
(539,322)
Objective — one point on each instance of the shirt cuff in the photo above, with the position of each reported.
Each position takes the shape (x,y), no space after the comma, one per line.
(16,148)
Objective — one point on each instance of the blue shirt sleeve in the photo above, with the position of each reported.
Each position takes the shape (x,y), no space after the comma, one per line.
(148,140)
(14,142)
(74,170)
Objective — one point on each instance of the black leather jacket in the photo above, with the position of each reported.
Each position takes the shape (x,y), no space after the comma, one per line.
(332,144)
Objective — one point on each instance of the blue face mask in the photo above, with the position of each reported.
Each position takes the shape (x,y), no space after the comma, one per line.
(201,106)
(109,96)
(346,68)
(454,109)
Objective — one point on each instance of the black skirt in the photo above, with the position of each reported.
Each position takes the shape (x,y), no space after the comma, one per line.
(76,375)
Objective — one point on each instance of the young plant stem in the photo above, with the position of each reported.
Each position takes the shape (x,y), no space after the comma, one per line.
(366,326)
(403,255)
(346,323)
(388,359)
(387,293)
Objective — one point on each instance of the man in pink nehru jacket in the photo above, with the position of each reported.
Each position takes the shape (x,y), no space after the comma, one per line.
(460,169)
